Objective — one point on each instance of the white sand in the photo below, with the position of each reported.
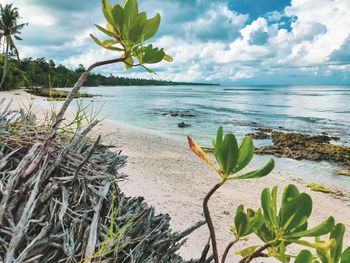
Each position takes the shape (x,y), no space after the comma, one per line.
(174,180)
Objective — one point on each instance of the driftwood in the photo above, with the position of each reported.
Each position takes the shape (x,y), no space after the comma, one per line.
(66,205)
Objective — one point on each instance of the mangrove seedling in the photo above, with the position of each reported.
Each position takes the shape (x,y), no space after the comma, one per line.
(288,225)
(231,159)
(127,30)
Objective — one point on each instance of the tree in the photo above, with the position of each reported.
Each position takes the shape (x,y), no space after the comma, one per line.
(9,30)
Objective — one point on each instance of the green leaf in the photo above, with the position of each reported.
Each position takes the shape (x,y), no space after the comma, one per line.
(322,229)
(265,233)
(168,58)
(338,235)
(130,12)
(148,69)
(105,31)
(295,212)
(290,192)
(107,12)
(345,257)
(150,55)
(118,16)
(240,208)
(135,33)
(257,173)
(255,221)
(304,256)
(241,222)
(246,153)
(269,206)
(246,251)
(151,27)
(219,136)
(107,44)
(98,42)
(227,153)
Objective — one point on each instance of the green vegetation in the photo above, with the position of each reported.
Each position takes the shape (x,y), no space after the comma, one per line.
(30,72)
(320,188)
(127,30)
(9,30)
(277,228)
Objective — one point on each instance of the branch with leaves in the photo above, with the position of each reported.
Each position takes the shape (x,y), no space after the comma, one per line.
(276,228)
(129,30)
(231,159)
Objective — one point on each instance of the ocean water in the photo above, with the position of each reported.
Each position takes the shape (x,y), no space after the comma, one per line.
(308,109)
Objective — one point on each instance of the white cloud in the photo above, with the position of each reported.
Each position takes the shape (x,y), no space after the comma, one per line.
(207,40)
(218,23)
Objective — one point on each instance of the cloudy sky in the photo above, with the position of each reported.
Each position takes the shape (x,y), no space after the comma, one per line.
(227,41)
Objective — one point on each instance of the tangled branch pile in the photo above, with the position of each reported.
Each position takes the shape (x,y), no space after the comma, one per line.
(69,208)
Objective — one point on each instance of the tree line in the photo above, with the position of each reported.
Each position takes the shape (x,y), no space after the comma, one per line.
(40,72)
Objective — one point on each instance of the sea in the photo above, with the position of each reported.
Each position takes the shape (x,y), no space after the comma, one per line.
(239,109)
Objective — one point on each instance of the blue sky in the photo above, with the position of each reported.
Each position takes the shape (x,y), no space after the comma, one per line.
(226,41)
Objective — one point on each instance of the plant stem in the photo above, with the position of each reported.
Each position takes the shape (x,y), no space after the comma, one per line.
(257,253)
(59,117)
(210,222)
(76,89)
(228,249)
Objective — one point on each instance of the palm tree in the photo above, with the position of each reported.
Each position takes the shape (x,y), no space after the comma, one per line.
(9,30)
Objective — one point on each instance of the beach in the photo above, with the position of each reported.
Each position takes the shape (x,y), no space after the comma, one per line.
(172,179)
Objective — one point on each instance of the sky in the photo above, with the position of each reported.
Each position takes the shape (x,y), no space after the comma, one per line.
(250,42)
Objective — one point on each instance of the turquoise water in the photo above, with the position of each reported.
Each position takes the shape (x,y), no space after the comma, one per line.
(311,109)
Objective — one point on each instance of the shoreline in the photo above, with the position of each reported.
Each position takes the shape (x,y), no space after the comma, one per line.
(173,180)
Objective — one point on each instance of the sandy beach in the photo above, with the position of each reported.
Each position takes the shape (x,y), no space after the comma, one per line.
(174,180)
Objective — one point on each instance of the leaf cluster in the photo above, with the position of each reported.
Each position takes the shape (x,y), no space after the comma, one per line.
(231,158)
(127,31)
(279,228)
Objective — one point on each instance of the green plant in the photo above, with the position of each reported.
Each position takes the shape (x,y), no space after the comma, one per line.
(279,228)
(276,228)
(127,30)
(231,159)
(9,30)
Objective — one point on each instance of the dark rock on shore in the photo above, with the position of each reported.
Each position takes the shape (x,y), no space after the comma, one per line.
(259,135)
(267,130)
(309,147)
(181,114)
(183,125)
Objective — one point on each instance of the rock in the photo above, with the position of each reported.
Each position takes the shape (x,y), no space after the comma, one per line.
(259,135)
(343,172)
(183,125)
(267,130)
(303,146)
(181,114)
(280,127)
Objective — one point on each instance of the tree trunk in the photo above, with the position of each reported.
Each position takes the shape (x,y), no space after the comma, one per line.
(5,67)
